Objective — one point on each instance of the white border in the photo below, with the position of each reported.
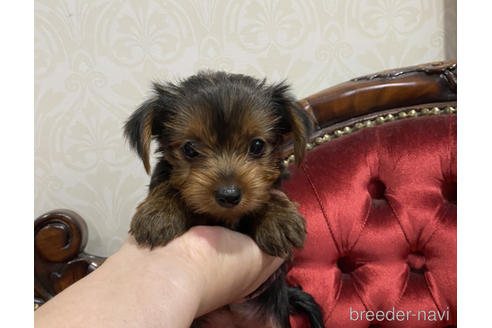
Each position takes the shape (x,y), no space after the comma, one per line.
(17,169)
(474,165)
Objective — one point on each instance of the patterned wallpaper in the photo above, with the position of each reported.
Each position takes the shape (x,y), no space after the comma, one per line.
(95,60)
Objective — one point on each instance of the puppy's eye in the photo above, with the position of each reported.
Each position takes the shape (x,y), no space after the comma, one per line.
(256,147)
(189,151)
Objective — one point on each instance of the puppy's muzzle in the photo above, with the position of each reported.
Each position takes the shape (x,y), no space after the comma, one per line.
(228,196)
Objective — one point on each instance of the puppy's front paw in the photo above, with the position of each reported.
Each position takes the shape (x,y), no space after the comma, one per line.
(281,228)
(156,229)
(280,239)
(158,219)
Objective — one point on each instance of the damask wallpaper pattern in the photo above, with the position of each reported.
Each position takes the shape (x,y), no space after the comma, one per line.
(95,60)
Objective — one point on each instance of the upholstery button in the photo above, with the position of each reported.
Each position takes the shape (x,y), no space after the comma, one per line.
(376,189)
(345,264)
(416,262)
(448,189)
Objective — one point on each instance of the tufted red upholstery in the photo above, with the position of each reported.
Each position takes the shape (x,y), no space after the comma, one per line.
(380,206)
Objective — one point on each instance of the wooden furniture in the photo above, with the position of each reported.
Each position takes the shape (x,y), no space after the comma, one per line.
(60,237)
(339,112)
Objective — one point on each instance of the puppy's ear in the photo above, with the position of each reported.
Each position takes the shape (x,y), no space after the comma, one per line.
(293,119)
(147,122)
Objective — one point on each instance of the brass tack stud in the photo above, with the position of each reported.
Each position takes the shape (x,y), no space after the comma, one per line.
(318,140)
(402,114)
(412,113)
(338,133)
(453,109)
(326,138)
(291,158)
(436,110)
(286,162)
(359,125)
(390,117)
(380,120)
(309,146)
(426,111)
(347,129)
(369,123)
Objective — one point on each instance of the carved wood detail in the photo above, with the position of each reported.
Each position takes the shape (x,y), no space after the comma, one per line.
(60,237)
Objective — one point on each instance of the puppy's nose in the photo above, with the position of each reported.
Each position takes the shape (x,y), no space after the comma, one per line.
(228,196)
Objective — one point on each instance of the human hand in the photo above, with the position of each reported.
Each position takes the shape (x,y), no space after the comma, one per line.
(202,270)
(227,265)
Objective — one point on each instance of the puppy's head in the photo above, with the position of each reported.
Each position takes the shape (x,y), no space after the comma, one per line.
(220,134)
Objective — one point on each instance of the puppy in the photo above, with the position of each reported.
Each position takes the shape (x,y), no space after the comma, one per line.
(219,138)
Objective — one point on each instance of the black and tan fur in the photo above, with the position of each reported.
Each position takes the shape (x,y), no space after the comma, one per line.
(210,173)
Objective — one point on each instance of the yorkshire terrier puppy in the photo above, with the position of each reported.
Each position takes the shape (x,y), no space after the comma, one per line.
(219,139)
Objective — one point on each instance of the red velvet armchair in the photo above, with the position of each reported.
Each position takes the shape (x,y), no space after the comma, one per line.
(378,191)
